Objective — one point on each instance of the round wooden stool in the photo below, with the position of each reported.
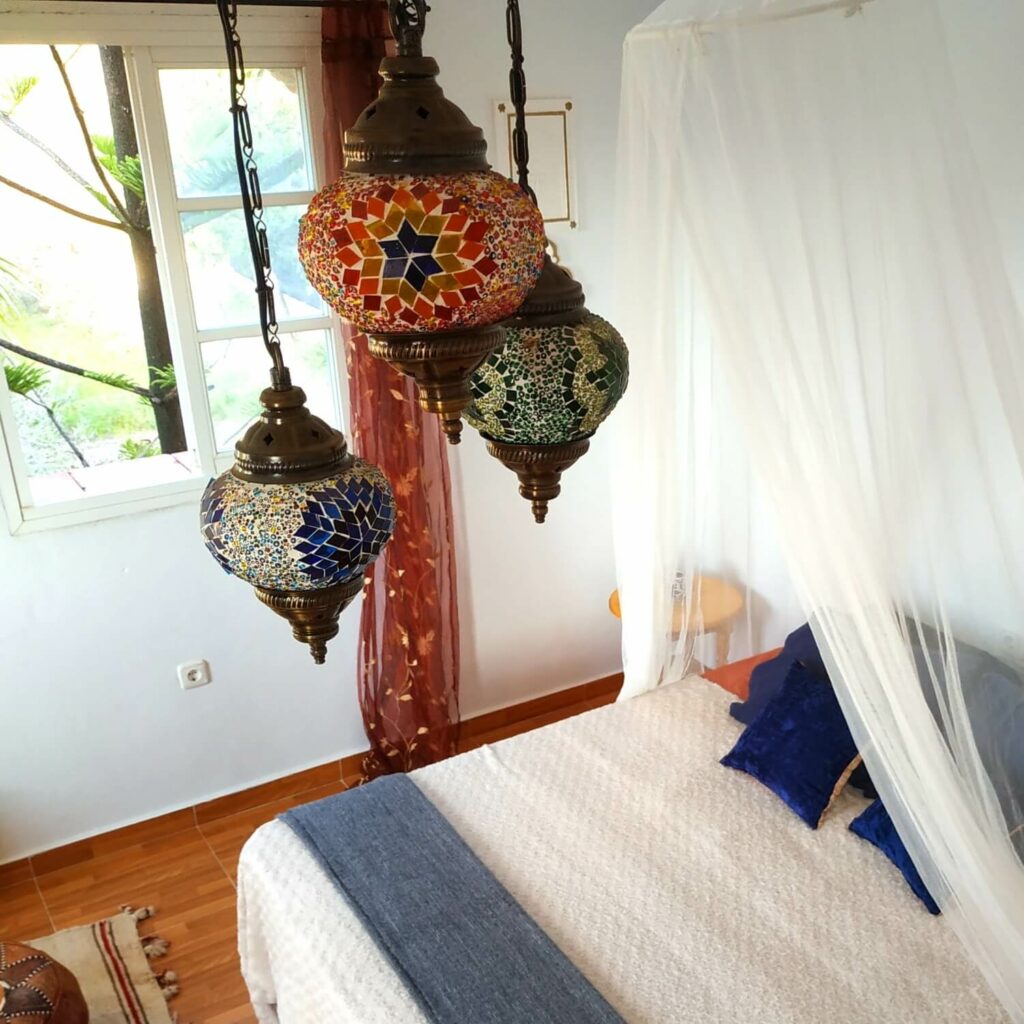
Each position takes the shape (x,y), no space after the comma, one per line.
(37,990)
(720,604)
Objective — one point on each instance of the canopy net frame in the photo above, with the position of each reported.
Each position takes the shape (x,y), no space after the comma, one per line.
(827,402)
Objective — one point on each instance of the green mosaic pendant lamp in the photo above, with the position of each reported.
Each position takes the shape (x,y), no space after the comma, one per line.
(539,399)
(419,244)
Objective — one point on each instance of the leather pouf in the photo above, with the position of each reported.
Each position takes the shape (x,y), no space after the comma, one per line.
(37,990)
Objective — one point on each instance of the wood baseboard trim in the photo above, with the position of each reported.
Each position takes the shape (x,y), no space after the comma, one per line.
(346,770)
(516,713)
(267,792)
(16,872)
(112,842)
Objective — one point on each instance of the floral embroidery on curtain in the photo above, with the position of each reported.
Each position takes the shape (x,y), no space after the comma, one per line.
(408,665)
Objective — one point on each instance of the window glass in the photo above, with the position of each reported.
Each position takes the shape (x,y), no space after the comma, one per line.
(237,371)
(221,274)
(92,406)
(196,106)
(79,290)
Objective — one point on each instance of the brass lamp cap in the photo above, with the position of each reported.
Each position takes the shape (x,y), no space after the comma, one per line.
(557,298)
(412,128)
(288,444)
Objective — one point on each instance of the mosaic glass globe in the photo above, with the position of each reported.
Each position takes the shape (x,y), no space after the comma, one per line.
(420,244)
(299,537)
(397,255)
(538,399)
(298,517)
(550,385)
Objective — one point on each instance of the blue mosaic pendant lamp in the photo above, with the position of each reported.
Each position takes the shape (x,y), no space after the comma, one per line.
(298,517)
(539,399)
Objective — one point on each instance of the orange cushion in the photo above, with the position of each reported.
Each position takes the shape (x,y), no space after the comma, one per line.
(735,676)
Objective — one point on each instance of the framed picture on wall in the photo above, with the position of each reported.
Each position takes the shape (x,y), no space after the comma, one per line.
(552,174)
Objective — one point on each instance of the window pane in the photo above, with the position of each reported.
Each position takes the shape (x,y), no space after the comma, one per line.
(77,291)
(237,371)
(197,109)
(220,268)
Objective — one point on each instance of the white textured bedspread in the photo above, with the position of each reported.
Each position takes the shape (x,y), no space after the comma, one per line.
(683,890)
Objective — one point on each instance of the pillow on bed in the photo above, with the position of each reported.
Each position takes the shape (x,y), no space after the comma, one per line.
(801,645)
(860,778)
(994,695)
(766,680)
(799,746)
(877,828)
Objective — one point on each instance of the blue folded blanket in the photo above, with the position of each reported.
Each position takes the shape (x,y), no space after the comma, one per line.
(464,948)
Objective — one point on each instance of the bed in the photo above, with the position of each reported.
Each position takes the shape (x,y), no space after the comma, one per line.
(683,891)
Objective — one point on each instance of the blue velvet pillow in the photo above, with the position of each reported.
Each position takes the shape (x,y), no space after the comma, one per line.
(767,679)
(799,746)
(877,828)
(860,779)
(801,645)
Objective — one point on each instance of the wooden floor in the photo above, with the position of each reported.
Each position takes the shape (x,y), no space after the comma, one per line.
(189,877)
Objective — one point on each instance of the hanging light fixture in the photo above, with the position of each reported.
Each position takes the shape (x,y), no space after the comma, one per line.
(419,244)
(297,516)
(539,399)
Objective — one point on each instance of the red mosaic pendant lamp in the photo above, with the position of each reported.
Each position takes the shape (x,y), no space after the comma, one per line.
(419,244)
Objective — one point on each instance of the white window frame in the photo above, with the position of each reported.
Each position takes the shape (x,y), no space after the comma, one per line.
(155,38)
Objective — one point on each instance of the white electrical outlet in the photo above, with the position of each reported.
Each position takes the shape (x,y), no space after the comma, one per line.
(193,674)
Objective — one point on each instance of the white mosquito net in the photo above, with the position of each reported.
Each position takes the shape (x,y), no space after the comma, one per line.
(827,399)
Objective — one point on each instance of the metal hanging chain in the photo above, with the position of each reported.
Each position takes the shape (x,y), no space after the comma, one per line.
(408,20)
(252,196)
(517,83)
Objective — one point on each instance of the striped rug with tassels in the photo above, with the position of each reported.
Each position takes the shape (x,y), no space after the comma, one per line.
(111,963)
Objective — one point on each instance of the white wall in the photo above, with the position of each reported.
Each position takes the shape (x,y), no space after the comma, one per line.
(535,598)
(94,731)
(990,79)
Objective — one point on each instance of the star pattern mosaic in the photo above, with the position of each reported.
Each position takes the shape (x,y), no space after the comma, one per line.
(211,512)
(401,255)
(550,385)
(344,528)
(298,537)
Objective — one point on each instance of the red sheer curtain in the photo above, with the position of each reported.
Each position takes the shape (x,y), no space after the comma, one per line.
(408,666)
